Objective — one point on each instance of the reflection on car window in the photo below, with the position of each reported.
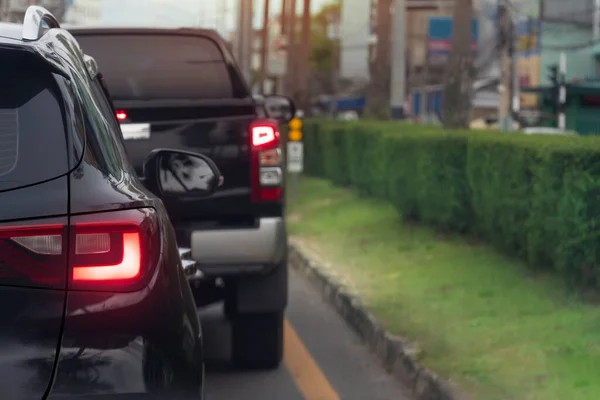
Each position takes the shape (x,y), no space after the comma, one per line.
(32,128)
(100,138)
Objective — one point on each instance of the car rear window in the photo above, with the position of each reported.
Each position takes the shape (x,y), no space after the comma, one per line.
(33,136)
(158,67)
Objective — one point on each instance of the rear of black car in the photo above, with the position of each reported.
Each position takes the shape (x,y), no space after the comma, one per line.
(181,89)
(90,276)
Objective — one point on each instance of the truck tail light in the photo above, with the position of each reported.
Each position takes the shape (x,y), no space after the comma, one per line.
(121,115)
(267,168)
(105,251)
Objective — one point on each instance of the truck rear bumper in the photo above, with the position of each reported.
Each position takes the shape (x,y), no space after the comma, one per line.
(232,251)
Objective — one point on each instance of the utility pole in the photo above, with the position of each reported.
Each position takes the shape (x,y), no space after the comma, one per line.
(596,19)
(240,34)
(245,40)
(514,71)
(304,62)
(424,82)
(510,101)
(458,85)
(562,90)
(284,12)
(506,40)
(398,64)
(378,92)
(334,36)
(264,50)
(291,53)
(4,10)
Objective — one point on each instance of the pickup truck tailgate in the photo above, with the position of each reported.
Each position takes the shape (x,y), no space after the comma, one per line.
(222,138)
(179,89)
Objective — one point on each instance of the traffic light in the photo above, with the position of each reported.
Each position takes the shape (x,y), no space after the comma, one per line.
(550,97)
(553,74)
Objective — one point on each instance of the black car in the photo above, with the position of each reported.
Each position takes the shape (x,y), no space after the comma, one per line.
(181,88)
(93,295)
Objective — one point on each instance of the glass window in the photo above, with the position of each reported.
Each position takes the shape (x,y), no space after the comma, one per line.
(155,67)
(33,133)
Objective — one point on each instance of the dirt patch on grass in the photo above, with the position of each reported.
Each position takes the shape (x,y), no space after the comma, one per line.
(294,218)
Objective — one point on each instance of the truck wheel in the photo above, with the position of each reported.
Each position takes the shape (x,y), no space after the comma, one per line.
(257,340)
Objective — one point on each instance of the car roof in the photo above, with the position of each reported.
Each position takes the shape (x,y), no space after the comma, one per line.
(110,30)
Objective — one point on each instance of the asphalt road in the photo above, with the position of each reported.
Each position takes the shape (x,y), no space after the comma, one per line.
(323,358)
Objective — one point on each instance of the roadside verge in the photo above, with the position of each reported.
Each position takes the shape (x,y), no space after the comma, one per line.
(481,320)
(397,355)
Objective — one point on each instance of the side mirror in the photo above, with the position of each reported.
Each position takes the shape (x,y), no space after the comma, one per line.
(280,108)
(180,173)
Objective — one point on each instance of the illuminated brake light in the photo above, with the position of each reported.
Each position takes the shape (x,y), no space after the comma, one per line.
(129,267)
(114,251)
(121,115)
(263,135)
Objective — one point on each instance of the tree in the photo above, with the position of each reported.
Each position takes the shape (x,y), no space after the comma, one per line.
(322,47)
(456,108)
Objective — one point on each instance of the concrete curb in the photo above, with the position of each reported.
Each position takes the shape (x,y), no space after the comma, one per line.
(396,355)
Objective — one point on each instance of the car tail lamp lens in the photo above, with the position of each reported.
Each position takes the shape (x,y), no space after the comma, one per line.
(105,251)
(33,253)
(270,176)
(114,251)
(270,158)
(267,171)
(264,135)
(121,115)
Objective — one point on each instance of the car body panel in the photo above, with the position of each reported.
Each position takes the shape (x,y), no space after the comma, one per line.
(29,335)
(64,343)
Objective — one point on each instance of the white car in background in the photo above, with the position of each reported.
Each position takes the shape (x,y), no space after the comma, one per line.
(544,130)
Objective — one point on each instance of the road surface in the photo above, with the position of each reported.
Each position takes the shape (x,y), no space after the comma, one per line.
(323,359)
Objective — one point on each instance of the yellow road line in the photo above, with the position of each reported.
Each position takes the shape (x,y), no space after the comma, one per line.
(307,375)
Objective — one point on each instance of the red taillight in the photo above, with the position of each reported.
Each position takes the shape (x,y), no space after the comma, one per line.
(121,115)
(113,251)
(267,171)
(264,136)
(105,251)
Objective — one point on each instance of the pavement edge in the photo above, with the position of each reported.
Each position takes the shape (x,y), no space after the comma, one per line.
(397,355)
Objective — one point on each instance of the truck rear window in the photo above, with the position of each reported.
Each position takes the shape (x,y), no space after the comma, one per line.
(33,136)
(159,67)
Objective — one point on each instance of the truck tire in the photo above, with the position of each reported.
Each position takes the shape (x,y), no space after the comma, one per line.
(257,340)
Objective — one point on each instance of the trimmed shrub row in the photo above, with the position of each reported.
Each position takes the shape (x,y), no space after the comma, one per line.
(536,197)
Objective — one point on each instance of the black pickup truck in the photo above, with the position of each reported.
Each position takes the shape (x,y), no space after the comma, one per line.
(181,89)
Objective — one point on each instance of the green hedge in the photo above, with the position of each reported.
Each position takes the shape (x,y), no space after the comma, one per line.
(531,196)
